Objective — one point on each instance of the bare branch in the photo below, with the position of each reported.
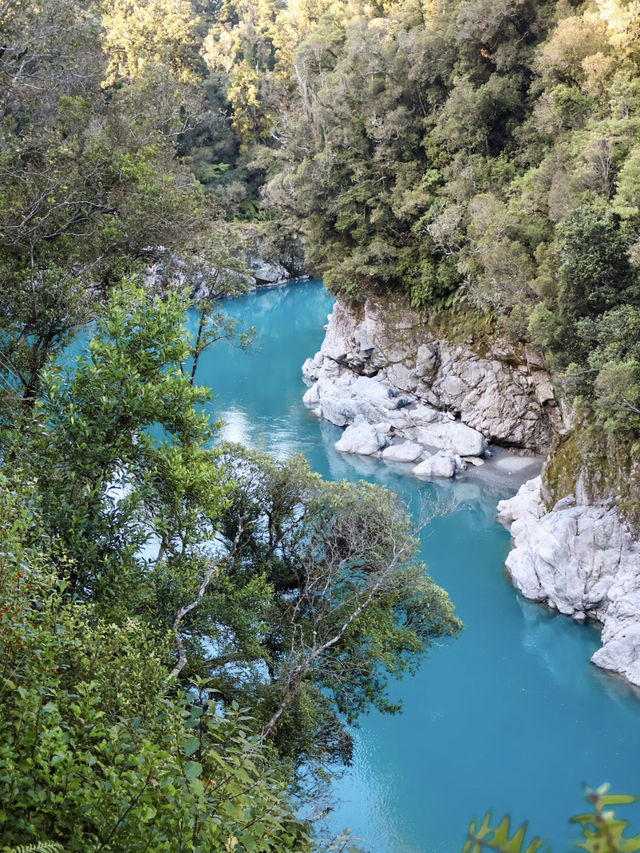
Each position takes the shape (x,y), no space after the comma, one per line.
(211,573)
(306,657)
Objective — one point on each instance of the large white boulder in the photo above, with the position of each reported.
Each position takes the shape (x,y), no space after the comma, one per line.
(422,415)
(271,273)
(408,451)
(526,503)
(583,561)
(311,398)
(450,435)
(363,438)
(342,409)
(439,465)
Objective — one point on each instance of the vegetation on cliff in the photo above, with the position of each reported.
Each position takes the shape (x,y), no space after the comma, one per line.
(466,154)
(184,631)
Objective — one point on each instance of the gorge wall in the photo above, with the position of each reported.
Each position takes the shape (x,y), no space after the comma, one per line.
(383,374)
(503,393)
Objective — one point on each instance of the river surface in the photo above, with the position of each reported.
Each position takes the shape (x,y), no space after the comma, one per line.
(511,715)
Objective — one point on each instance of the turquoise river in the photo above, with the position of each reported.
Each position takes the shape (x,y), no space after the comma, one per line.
(511,715)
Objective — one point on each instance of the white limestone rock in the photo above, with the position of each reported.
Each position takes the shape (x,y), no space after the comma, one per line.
(311,398)
(338,339)
(363,438)
(408,451)
(342,410)
(527,502)
(422,415)
(503,395)
(311,368)
(583,561)
(378,394)
(450,435)
(267,272)
(439,465)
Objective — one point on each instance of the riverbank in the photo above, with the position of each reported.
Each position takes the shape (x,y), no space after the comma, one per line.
(583,561)
(516,667)
(436,410)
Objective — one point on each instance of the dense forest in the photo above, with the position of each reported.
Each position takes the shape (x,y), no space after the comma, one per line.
(187,628)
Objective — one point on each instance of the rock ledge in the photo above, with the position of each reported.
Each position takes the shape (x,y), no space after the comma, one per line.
(379,358)
(583,561)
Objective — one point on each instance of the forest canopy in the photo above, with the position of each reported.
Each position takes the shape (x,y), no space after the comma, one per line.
(188,628)
(476,157)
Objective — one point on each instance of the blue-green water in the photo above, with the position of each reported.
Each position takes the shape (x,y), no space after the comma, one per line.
(511,715)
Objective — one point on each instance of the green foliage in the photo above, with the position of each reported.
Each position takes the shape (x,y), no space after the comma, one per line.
(106,483)
(479,159)
(346,604)
(595,272)
(497,838)
(96,749)
(155,585)
(602,831)
(478,153)
(91,187)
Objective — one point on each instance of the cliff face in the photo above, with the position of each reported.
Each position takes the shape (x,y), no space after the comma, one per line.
(581,559)
(502,394)
(572,547)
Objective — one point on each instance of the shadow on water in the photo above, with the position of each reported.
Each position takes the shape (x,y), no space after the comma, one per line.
(511,715)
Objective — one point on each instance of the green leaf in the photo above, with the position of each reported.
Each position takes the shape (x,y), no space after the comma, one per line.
(192,769)
(192,744)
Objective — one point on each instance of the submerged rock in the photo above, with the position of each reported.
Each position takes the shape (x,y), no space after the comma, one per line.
(583,561)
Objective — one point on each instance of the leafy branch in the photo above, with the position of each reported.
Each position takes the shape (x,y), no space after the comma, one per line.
(602,832)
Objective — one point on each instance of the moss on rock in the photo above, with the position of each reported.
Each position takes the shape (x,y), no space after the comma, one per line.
(594,466)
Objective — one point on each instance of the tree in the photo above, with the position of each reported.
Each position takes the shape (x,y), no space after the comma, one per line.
(349,604)
(614,366)
(91,188)
(595,271)
(160,32)
(97,749)
(107,482)
(290,596)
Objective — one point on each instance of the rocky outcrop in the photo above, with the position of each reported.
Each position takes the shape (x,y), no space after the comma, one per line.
(582,560)
(403,392)
(262,267)
(346,399)
(439,388)
(439,465)
(382,440)
(364,438)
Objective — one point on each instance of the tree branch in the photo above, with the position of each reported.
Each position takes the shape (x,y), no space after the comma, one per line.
(213,571)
